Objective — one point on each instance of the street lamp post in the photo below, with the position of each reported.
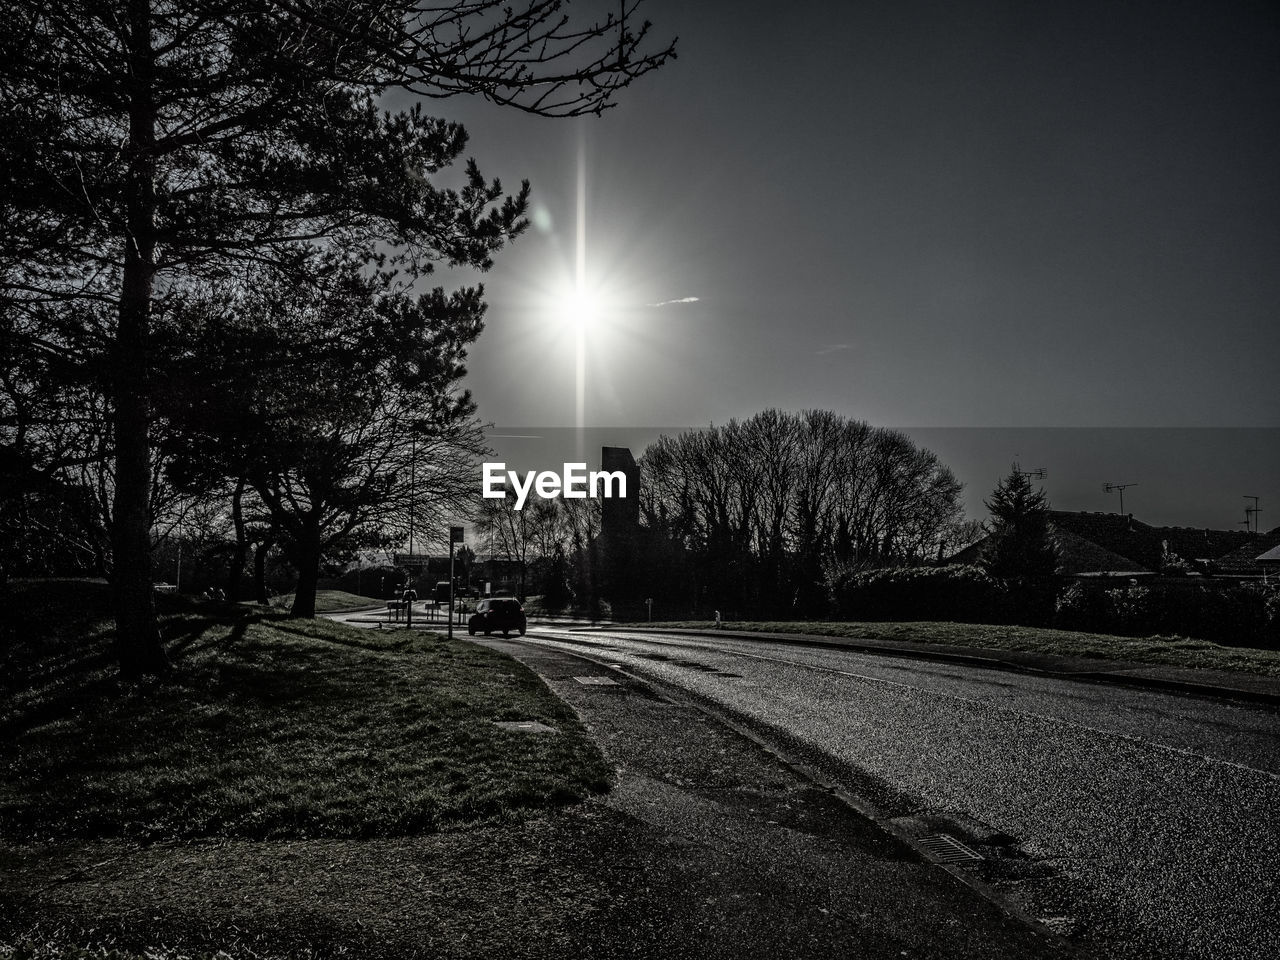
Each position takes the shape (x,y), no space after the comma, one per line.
(413,478)
(582,307)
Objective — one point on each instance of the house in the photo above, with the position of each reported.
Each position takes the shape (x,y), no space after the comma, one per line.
(1251,559)
(1112,544)
(1270,561)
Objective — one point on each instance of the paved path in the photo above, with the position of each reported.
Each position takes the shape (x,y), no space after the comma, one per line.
(1140,823)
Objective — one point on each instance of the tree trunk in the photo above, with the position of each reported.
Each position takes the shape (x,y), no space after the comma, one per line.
(138,638)
(260,572)
(306,561)
(235,575)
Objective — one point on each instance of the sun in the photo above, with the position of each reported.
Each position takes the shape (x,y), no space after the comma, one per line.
(581,310)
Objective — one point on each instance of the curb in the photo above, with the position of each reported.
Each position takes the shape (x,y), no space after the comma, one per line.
(1216,691)
(1125,679)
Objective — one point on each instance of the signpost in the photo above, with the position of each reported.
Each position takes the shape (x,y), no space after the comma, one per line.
(410,561)
(455,536)
(420,561)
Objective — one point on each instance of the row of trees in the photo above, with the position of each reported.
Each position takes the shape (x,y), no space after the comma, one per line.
(315,409)
(165,167)
(326,408)
(755,514)
(551,544)
(751,515)
(754,517)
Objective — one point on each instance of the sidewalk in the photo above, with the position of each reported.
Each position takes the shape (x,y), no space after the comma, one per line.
(1226,684)
(426,619)
(732,853)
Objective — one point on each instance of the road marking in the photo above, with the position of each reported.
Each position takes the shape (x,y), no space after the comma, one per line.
(1048,718)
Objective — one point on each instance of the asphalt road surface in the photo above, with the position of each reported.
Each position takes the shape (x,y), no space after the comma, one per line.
(1139,824)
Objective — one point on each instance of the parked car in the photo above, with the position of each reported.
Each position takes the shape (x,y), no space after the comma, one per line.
(498,613)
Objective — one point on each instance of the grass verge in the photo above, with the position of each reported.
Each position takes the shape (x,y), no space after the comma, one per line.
(1162,651)
(268,728)
(534,607)
(330,601)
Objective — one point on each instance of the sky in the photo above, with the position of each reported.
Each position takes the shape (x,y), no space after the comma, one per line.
(968,216)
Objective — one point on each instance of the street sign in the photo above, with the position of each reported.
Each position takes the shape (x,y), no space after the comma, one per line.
(410,559)
(455,534)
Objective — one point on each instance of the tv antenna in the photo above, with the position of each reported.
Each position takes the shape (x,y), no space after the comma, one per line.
(1251,515)
(1108,487)
(1039,473)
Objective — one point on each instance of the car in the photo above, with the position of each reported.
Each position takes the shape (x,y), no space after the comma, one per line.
(498,613)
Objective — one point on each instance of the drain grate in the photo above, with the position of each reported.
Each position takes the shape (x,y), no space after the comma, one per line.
(597,681)
(944,848)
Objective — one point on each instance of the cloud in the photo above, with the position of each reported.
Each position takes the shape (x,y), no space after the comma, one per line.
(667,303)
(833,348)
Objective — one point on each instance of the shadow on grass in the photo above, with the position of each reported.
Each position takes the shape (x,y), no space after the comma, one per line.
(52,673)
(273,728)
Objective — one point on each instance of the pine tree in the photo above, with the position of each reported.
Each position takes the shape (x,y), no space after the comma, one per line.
(1021,544)
(322,390)
(146,142)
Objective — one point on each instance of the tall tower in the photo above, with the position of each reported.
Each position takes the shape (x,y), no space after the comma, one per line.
(620,515)
(620,532)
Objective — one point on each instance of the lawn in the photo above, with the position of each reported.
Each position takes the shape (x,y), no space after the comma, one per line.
(330,601)
(269,728)
(1165,651)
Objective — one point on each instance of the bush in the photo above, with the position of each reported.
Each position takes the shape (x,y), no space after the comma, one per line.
(1083,607)
(1235,614)
(961,592)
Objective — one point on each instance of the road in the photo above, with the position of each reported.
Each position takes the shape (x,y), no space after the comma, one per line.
(1141,824)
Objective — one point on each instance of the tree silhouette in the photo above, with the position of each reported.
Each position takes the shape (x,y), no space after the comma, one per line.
(146,142)
(1021,544)
(317,395)
(766,506)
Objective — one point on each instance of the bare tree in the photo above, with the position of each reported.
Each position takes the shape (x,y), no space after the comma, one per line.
(769,504)
(523,537)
